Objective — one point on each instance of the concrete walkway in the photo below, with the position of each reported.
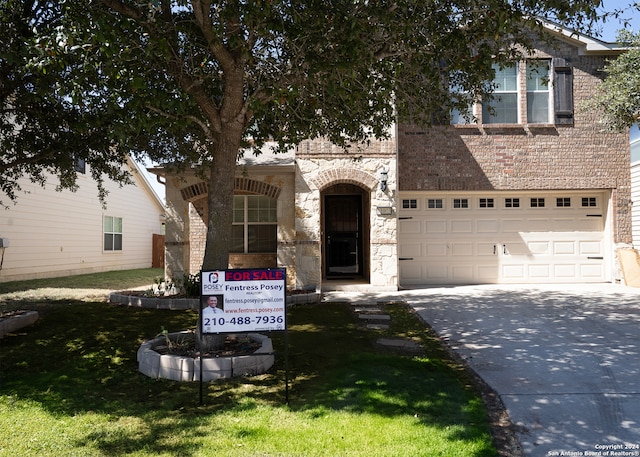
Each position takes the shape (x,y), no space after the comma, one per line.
(564,359)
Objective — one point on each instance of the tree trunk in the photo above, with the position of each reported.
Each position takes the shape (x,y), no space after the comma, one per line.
(220,214)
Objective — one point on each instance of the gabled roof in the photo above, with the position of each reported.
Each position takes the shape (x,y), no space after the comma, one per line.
(587,45)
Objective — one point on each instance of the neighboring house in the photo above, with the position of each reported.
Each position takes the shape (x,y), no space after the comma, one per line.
(54,233)
(534,192)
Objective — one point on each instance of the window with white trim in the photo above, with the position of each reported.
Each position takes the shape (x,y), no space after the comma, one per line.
(563,202)
(512,203)
(538,93)
(460,203)
(409,203)
(255,224)
(486,203)
(503,107)
(589,202)
(434,203)
(112,233)
(537,202)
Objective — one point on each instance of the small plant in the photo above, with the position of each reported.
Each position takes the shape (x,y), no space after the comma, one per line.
(191,285)
(178,345)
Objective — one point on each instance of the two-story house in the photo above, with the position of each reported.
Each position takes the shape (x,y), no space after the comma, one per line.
(531,190)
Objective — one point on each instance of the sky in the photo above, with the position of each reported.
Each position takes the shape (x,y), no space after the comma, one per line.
(611,27)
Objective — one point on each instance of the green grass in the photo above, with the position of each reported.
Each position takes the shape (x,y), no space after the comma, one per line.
(111,280)
(69,386)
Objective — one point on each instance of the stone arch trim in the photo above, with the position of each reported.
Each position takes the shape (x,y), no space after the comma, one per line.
(199,190)
(347,175)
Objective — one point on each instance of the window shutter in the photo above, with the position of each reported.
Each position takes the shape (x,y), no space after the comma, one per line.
(563,92)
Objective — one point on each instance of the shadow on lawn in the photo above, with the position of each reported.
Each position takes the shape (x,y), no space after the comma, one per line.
(79,359)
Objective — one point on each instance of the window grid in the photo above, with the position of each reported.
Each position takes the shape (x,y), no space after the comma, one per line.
(537,202)
(410,203)
(589,201)
(460,203)
(434,203)
(503,107)
(512,203)
(112,233)
(486,203)
(563,202)
(538,93)
(255,225)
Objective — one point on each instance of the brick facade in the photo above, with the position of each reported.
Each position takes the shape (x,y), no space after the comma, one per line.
(525,156)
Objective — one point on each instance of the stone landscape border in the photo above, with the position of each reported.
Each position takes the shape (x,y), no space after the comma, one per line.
(9,324)
(185,368)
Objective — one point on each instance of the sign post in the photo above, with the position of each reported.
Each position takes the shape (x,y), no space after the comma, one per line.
(247,300)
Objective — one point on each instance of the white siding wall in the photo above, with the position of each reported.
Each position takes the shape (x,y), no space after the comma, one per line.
(635,198)
(60,233)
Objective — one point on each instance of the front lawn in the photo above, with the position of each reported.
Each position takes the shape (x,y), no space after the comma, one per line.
(69,386)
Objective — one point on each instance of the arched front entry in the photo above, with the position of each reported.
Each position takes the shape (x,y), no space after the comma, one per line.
(345,228)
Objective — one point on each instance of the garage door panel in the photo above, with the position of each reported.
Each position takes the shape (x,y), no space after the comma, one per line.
(461,249)
(592,271)
(538,247)
(436,226)
(564,248)
(487,226)
(486,249)
(540,272)
(436,250)
(462,226)
(590,247)
(409,227)
(503,245)
(410,249)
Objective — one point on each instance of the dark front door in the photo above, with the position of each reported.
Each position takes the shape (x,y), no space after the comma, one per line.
(343,240)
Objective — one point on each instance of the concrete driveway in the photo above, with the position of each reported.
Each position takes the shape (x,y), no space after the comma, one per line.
(564,359)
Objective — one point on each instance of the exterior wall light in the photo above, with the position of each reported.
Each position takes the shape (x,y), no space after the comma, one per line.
(384,210)
(383,180)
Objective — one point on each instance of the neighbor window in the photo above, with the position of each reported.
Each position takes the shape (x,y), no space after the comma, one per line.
(434,203)
(589,201)
(563,202)
(503,108)
(538,98)
(112,229)
(255,224)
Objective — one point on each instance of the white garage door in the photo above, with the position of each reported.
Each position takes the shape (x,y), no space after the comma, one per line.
(447,238)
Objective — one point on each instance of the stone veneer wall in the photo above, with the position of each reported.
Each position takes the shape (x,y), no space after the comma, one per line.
(526,156)
(321,165)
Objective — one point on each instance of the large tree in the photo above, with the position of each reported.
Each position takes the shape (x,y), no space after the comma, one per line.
(619,95)
(41,131)
(191,83)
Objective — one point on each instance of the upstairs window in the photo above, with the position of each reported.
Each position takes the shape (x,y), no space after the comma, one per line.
(538,94)
(503,108)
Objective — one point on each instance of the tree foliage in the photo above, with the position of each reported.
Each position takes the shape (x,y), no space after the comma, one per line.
(190,83)
(42,131)
(619,95)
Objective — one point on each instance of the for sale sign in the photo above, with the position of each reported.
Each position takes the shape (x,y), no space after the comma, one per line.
(243,300)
